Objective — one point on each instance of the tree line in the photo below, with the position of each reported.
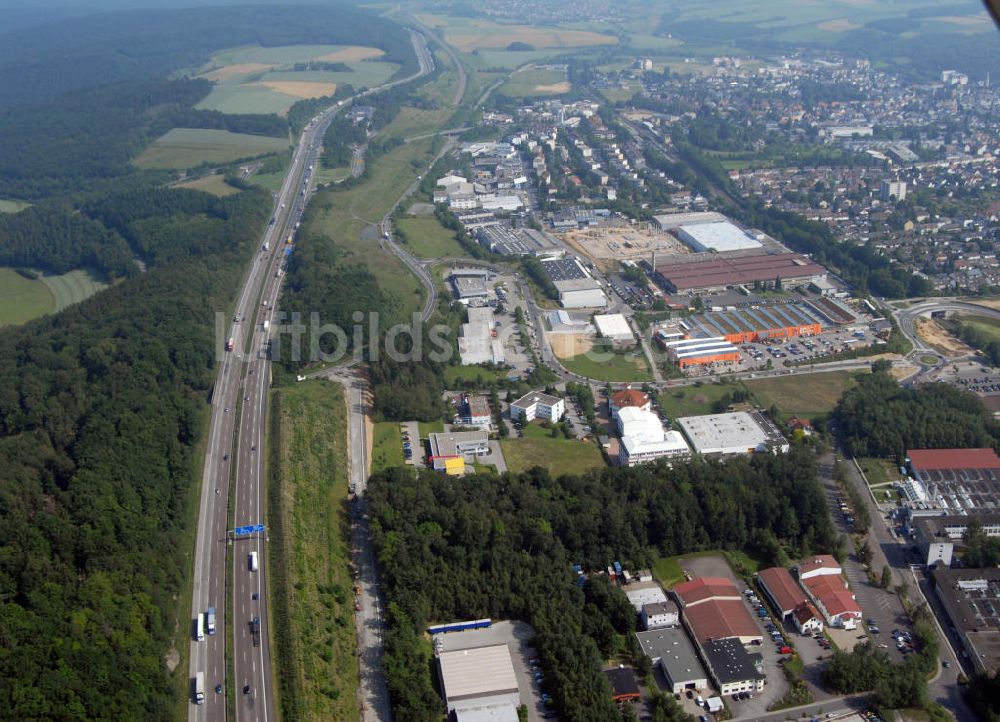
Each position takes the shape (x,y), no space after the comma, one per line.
(503,546)
(880,418)
(101,409)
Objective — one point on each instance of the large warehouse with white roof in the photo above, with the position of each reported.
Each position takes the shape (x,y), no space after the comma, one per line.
(731,434)
(719,236)
(479,679)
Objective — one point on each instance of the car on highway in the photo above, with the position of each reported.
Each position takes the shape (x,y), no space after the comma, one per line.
(218,689)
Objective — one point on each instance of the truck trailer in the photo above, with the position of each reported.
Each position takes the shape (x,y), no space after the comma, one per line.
(199,688)
(252,561)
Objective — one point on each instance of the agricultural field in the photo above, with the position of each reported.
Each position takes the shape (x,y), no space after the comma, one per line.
(619,367)
(22,299)
(313,602)
(182,148)
(72,287)
(535,82)
(427,238)
(467,34)
(559,456)
(261,80)
(214,184)
(9,206)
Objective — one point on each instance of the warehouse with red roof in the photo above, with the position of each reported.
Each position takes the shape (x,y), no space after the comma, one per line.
(821,578)
(781,590)
(714,609)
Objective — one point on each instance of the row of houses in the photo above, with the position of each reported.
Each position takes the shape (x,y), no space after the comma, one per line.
(819,596)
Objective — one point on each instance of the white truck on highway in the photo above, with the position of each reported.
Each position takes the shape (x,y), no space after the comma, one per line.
(199,688)
(199,627)
(252,561)
(265,325)
(266,246)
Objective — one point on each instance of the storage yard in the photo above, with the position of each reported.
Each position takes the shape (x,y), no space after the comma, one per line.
(622,241)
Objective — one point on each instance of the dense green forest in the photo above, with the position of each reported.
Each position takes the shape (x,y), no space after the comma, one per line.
(878,417)
(148,44)
(55,239)
(502,547)
(100,409)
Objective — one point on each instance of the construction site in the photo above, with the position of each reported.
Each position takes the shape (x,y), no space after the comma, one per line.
(618,240)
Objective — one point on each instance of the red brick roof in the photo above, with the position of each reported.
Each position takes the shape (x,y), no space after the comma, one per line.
(629,397)
(731,271)
(806,611)
(936,459)
(786,593)
(833,593)
(704,589)
(721,619)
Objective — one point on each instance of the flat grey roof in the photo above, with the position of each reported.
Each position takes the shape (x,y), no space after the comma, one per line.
(477,672)
(675,650)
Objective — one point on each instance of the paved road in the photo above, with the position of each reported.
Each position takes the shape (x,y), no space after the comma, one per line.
(241,389)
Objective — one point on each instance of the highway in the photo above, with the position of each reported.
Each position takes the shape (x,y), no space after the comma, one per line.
(234,452)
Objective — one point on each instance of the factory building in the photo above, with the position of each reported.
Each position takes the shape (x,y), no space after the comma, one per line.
(821,578)
(733,668)
(643,438)
(575,286)
(688,352)
(613,326)
(971,600)
(477,343)
(937,536)
(719,237)
(716,273)
(479,684)
(952,481)
(450,450)
(469,283)
(732,434)
(713,608)
(672,650)
(781,590)
(749,325)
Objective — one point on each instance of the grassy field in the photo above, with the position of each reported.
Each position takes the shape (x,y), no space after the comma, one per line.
(878,471)
(468,34)
(182,148)
(312,599)
(535,82)
(214,184)
(260,80)
(692,400)
(343,214)
(9,206)
(619,367)
(427,238)
(454,374)
(559,456)
(73,287)
(22,299)
(668,571)
(989,327)
(808,395)
(387,446)
(430,427)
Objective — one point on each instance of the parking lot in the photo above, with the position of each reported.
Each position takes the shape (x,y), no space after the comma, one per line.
(516,636)
(410,433)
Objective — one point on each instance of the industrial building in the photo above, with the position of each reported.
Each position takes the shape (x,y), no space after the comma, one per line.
(971,600)
(821,577)
(515,242)
(613,326)
(733,668)
(713,608)
(575,286)
(469,283)
(703,275)
(660,614)
(536,405)
(755,323)
(937,536)
(673,221)
(780,590)
(476,411)
(479,684)
(643,438)
(719,236)
(688,352)
(952,481)
(477,342)
(643,593)
(451,449)
(732,434)
(672,650)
